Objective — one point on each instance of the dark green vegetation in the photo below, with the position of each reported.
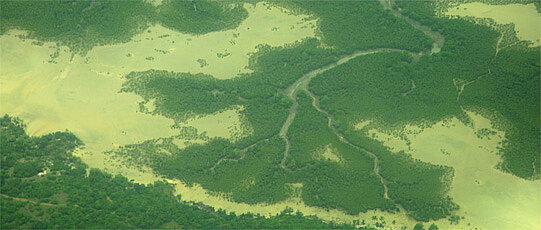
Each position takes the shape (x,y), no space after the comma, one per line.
(249,169)
(378,86)
(382,85)
(503,83)
(183,95)
(72,196)
(391,88)
(420,226)
(511,90)
(199,17)
(358,25)
(350,183)
(79,25)
(83,24)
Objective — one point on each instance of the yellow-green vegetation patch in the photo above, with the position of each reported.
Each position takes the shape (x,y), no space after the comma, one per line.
(225,124)
(525,17)
(204,100)
(83,98)
(222,54)
(328,153)
(488,198)
(155,2)
(69,94)
(362,124)
(371,218)
(183,143)
(224,167)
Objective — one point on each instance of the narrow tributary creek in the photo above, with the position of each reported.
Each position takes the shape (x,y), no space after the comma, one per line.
(304,80)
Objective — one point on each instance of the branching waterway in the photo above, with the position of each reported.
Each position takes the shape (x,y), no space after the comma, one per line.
(304,80)
(302,83)
(461,85)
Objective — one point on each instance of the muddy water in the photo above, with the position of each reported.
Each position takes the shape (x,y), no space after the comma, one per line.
(525,17)
(488,198)
(69,95)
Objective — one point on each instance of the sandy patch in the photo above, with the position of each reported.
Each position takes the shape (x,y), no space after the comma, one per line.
(70,95)
(155,2)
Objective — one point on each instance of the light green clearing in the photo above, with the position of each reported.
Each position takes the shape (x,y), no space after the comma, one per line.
(70,95)
(525,17)
(155,2)
(488,198)
(362,124)
(196,193)
(329,153)
(226,124)
(226,53)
